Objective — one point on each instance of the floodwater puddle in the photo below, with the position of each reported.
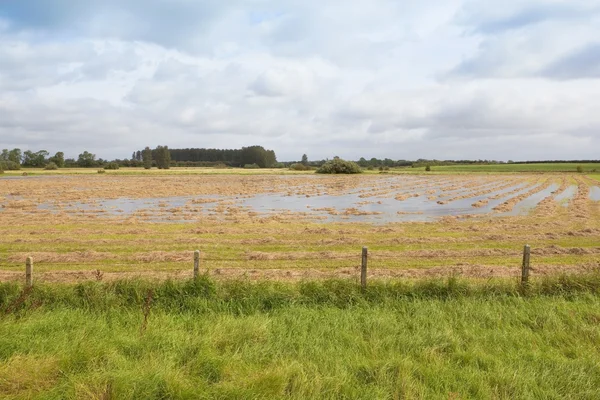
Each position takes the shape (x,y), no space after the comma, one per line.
(528,204)
(566,196)
(595,193)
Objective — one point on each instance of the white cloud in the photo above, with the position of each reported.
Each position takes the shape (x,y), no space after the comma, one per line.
(404,80)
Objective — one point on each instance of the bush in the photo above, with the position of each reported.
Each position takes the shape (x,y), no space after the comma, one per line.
(101,171)
(9,166)
(428,168)
(299,167)
(580,169)
(339,166)
(251,166)
(51,166)
(1,171)
(112,165)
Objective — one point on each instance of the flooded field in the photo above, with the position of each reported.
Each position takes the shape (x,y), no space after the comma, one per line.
(292,227)
(375,199)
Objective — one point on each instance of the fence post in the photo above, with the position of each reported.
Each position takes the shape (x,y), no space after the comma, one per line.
(363,269)
(29,272)
(196,263)
(525,266)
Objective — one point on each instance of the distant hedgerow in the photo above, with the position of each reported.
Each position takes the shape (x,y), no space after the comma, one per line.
(9,166)
(112,165)
(299,167)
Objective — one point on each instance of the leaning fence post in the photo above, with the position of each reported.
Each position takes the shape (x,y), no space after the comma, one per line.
(29,272)
(525,266)
(196,263)
(363,269)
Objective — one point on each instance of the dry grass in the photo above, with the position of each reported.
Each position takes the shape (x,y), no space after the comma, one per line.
(237,239)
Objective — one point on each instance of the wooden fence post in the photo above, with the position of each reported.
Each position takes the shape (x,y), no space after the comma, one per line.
(29,272)
(196,263)
(525,266)
(363,269)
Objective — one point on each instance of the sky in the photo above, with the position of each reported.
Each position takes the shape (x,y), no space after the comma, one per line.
(445,79)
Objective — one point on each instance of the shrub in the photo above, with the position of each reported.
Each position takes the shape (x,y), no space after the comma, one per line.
(51,166)
(580,169)
(1,171)
(428,168)
(9,166)
(339,166)
(299,167)
(101,171)
(251,166)
(112,165)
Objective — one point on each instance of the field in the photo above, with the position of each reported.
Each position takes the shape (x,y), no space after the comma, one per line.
(278,313)
(542,167)
(413,225)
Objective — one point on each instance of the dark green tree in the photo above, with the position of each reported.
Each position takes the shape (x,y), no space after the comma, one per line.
(304,160)
(37,159)
(147,157)
(162,156)
(257,155)
(58,159)
(15,156)
(86,160)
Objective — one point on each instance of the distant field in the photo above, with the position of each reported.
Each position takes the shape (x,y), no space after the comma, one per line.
(558,167)
(497,168)
(156,171)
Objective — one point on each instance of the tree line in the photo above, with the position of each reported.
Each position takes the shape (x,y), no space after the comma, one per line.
(249,157)
(244,157)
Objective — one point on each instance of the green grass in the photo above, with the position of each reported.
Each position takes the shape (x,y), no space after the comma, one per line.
(542,167)
(157,172)
(497,168)
(434,339)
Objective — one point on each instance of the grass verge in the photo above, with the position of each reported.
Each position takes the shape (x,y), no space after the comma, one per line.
(206,339)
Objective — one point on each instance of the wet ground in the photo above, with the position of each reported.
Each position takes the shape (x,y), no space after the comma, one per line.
(356,206)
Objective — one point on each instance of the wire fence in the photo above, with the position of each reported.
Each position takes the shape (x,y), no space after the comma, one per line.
(264,261)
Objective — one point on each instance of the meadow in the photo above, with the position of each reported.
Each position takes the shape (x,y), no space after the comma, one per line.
(321,339)
(278,313)
(518,168)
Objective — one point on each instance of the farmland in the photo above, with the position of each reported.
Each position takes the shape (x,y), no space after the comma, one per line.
(114,313)
(413,225)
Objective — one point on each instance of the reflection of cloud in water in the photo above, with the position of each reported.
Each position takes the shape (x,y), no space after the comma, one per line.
(595,193)
(352,206)
(566,196)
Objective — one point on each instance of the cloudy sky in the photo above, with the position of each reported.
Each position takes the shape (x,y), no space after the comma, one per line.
(446,79)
